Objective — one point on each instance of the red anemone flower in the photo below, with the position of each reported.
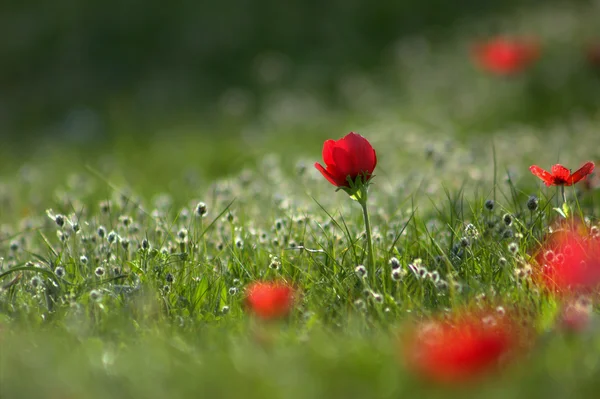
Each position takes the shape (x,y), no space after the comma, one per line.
(349,157)
(570,261)
(505,56)
(561,176)
(462,349)
(270,300)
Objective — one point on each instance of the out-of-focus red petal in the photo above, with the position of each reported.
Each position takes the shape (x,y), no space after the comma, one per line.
(542,174)
(581,173)
(505,56)
(270,300)
(459,350)
(575,267)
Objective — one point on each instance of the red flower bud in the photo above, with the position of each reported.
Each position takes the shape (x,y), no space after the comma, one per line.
(350,157)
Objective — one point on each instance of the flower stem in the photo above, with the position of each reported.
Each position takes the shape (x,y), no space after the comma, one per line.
(371,255)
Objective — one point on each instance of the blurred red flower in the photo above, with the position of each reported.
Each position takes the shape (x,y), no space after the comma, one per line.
(593,55)
(270,300)
(570,261)
(349,157)
(561,176)
(506,56)
(462,349)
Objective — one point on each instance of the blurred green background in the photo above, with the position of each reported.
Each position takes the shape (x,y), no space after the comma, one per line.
(81,66)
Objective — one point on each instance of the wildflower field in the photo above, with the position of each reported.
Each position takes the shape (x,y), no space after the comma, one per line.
(438,250)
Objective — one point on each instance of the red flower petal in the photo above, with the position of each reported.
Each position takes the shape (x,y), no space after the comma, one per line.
(461,349)
(581,173)
(362,155)
(542,174)
(343,161)
(334,179)
(560,173)
(328,147)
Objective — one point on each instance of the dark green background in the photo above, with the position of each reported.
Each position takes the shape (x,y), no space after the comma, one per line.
(154,56)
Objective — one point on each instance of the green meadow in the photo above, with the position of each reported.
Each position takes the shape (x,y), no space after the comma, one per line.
(132,294)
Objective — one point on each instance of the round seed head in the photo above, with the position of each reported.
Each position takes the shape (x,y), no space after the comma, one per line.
(275,264)
(377,298)
(394,263)
(532,203)
(36,282)
(59,220)
(59,271)
(397,274)
(182,234)
(112,237)
(201,209)
(95,295)
(105,206)
(489,205)
(360,304)
(125,220)
(239,243)
(279,224)
(230,217)
(360,271)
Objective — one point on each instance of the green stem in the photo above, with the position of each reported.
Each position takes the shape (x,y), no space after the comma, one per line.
(371,255)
